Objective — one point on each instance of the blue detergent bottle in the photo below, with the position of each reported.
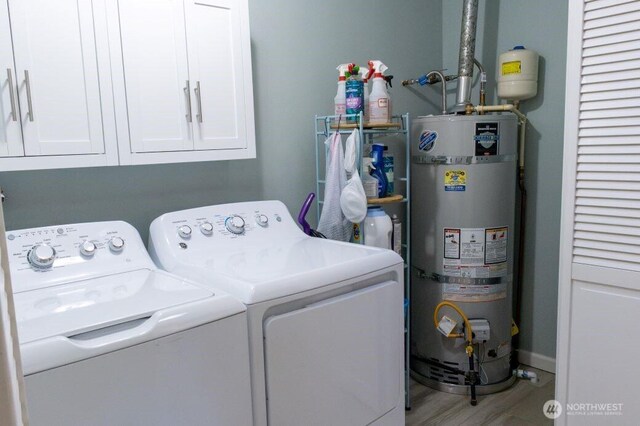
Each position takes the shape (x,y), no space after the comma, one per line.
(377,151)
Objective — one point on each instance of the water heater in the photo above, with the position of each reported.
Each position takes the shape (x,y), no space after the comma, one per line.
(463,178)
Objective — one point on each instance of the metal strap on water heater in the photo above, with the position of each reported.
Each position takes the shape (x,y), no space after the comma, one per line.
(469,159)
(445,279)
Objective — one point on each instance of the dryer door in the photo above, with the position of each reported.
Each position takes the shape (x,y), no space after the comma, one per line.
(337,362)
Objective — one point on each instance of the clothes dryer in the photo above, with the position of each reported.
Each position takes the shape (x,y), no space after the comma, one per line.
(325,317)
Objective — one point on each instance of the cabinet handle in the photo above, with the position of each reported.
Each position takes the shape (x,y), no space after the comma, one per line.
(14,115)
(187,92)
(27,82)
(197,91)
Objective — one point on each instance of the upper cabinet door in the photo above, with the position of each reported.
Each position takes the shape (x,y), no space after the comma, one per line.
(57,72)
(154,52)
(217,70)
(10,133)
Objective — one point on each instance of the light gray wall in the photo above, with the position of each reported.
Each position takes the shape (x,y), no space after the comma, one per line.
(296,47)
(542,26)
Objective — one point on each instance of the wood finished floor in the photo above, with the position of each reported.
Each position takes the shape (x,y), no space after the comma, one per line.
(519,405)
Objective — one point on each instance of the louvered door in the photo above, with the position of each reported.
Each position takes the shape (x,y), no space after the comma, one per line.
(599,286)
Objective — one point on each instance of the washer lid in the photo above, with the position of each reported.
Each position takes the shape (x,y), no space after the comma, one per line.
(83,306)
(258,272)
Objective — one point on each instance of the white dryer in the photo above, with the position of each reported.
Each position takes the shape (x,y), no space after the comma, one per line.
(325,317)
(107,339)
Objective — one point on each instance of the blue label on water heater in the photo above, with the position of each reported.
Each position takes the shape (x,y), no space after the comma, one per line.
(428,140)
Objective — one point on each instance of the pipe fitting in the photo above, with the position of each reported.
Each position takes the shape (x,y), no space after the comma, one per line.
(443,79)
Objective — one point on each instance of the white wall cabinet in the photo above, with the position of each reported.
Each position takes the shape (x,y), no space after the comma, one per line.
(10,130)
(51,97)
(96,83)
(182,80)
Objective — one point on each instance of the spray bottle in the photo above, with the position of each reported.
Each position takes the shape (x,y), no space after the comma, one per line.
(369,182)
(379,102)
(340,101)
(366,75)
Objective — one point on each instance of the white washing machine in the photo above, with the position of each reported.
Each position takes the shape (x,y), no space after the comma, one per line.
(325,317)
(107,339)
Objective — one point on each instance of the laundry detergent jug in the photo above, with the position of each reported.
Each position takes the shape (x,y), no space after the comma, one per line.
(377,228)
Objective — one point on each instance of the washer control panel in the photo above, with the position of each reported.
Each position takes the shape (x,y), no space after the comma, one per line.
(223,225)
(40,257)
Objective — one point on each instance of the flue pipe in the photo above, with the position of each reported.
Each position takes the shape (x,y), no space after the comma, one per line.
(466,54)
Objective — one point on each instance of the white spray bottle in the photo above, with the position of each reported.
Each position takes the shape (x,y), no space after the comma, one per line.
(366,75)
(379,102)
(340,101)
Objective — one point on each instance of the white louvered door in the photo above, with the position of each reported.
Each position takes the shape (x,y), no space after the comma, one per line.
(598,352)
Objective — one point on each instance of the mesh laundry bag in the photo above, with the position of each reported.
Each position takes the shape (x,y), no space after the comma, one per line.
(333,223)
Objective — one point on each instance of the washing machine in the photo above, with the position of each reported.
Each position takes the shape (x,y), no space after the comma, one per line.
(325,317)
(108,339)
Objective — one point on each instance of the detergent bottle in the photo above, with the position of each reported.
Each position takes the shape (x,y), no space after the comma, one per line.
(377,228)
(377,161)
(354,90)
(340,100)
(379,102)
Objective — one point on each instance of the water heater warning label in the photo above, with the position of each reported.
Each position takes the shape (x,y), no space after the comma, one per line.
(451,243)
(475,252)
(474,293)
(496,245)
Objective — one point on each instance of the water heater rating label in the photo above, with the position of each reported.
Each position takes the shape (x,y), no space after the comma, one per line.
(475,252)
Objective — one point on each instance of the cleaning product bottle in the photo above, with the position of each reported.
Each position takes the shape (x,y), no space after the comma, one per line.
(377,156)
(377,228)
(388,170)
(365,75)
(396,234)
(369,182)
(354,92)
(340,99)
(379,104)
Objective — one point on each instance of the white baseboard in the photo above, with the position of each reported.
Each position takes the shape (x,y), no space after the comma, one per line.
(535,360)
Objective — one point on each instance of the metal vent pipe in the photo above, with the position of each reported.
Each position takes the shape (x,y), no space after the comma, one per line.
(467,53)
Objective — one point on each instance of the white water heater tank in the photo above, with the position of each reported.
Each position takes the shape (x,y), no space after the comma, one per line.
(518,74)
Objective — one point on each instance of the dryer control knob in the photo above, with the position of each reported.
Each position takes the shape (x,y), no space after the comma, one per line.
(262,220)
(206,228)
(116,244)
(87,248)
(234,224)
(184,231)
(41,256)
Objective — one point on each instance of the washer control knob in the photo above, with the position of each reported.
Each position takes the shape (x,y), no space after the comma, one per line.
(206,228)
(234,224)
(87,248)
(262,220)
(184,231)
(41,256)
(116,244)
